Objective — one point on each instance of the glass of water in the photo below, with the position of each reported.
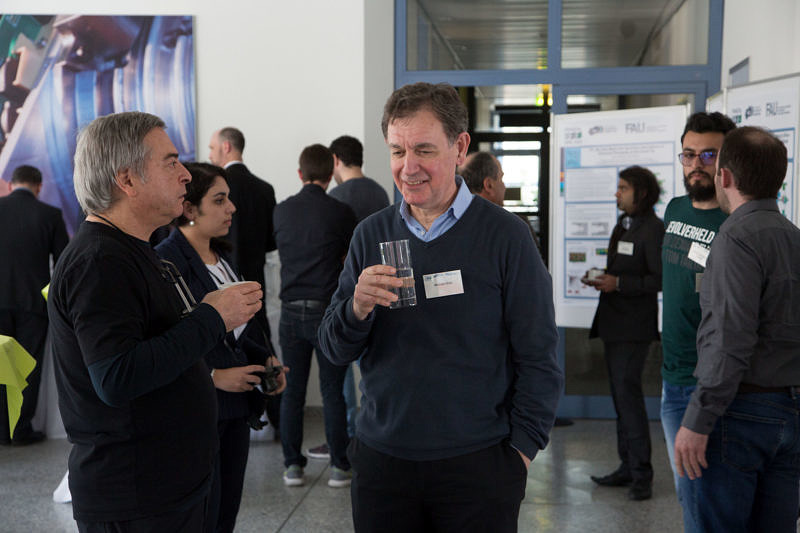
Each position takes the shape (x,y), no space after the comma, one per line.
(398,255)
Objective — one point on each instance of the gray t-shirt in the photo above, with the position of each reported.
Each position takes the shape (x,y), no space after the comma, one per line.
(363,195)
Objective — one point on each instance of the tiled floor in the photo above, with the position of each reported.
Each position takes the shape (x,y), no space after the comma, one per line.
(560,496)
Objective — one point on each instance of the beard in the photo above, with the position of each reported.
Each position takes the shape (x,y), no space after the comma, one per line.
(700,191)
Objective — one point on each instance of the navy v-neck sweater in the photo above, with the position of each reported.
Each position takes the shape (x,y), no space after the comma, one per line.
(453,374)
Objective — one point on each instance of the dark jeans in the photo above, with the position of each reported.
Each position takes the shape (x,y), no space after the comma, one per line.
(625,361)
(189,521)
(298,338)
(476,492)
(753,454)
(30,331)
(226,489)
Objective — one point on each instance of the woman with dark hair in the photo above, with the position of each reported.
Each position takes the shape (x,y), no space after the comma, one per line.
(195,247)
(627,322)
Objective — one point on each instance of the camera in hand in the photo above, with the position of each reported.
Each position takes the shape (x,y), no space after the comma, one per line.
(269,379)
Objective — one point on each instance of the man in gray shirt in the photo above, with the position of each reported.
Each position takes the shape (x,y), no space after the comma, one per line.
(742,425)
(361,193)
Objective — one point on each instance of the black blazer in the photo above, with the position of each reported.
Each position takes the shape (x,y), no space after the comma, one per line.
(248,349)
(631,313)
(30,232)
(251,229)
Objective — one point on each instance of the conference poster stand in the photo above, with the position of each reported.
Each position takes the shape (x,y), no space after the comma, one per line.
(774,105)
(588,152)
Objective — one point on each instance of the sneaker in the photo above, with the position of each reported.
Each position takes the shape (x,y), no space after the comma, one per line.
(293,477)
(340,478)
(320,452)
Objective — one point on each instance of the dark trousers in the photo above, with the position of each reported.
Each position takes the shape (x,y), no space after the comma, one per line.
(625,361)
(298,338)
(188,521)
(30,331)
(753,454)
(472,493)
(226,487)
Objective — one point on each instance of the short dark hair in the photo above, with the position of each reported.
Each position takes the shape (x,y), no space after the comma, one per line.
(316,163)
(349,150)
(757,159)
(441,99)
(645,187)
(233,136)
(702,122)
(481,165)
(203,177)
(26,174)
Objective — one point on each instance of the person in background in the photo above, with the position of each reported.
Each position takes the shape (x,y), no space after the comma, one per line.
(196,248)
(484,176)
(627,322)
(33,234)
(313,232)
(365,197)
(691,223)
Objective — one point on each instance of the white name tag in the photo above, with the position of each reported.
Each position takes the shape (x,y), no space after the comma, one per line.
(698,253)
(443,284)
(625,248)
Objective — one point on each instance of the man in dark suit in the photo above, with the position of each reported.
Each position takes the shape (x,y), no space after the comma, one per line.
(30,233)
(627,322)
(251,231)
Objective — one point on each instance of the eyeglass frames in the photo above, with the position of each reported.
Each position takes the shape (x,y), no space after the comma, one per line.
(171,274)
(707,157)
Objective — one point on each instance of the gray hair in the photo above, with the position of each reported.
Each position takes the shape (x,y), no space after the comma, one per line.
(105,147)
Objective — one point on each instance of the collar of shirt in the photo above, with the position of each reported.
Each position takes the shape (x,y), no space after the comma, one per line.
(231,163)
(443,222)
(765,204)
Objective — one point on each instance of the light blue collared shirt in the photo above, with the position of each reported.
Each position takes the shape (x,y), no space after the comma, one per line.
(443,222)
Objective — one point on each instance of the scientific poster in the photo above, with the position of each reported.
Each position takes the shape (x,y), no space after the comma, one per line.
(589,151)
(772,105)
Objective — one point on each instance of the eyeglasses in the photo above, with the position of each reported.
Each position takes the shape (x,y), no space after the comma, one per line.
(707,157)
(171,274)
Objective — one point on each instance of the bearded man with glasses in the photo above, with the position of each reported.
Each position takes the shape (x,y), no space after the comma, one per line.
(691,221)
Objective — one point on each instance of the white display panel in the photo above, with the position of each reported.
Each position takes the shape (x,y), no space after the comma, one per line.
(588,152)
(772,105)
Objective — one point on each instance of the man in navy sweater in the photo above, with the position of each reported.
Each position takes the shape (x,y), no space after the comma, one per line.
(459,391)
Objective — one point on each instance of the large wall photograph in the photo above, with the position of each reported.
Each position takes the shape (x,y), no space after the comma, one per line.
(60,72)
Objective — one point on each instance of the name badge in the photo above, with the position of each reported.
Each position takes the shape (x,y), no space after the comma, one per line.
(443,284)
(625,248)
(698,253)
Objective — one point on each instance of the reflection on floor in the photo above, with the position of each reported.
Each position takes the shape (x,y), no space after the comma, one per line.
(560,496)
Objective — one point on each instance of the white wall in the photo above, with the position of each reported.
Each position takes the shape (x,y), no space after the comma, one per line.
(764,31)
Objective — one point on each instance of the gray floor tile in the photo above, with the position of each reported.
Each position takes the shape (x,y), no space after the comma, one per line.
(560,496)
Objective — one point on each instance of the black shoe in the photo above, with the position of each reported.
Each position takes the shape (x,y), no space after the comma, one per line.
(617,478)
(640,490)
(27,438)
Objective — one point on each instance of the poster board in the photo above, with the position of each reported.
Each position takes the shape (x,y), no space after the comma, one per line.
(772,105)
(588,152)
